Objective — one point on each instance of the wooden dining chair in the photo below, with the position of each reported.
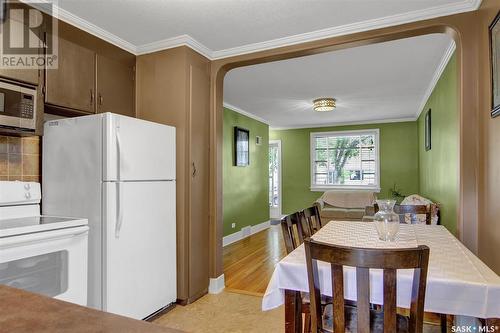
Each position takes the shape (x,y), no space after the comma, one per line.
(312,217)
(429,211)
(361,319)
(294,231)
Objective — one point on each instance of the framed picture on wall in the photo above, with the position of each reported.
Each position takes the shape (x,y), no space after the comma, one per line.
(428,132)
(241,146)
(495,66)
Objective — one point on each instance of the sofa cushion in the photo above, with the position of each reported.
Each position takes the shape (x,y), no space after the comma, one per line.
(358,199)
(337,213)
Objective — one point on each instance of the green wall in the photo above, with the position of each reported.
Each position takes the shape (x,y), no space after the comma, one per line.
(403,160)
(439,166)
(398,161)
(245,189)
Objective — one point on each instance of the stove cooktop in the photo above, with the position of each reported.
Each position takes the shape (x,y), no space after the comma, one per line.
(33,224)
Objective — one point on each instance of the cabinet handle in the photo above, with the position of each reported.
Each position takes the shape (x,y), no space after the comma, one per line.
(100,99)
(91,96)
(194,170)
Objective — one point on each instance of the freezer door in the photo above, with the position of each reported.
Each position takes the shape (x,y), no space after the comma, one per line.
(140,247)
(138,150)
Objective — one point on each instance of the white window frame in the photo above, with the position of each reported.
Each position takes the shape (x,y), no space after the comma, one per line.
(322,188)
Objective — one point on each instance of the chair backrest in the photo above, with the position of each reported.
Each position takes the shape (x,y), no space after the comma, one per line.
(294,231)
(402,210)
(312,217)
(389,260)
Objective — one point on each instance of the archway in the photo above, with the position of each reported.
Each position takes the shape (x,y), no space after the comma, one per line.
(455,26)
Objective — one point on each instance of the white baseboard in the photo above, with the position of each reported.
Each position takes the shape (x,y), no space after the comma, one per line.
(261,226)
(234,237)
(216,285)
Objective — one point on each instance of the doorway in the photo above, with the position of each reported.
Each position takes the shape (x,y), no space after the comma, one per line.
(275,179)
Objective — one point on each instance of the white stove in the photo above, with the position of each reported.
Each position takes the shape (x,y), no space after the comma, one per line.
(38,253)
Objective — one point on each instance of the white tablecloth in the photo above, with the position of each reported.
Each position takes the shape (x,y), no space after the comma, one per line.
(458,282)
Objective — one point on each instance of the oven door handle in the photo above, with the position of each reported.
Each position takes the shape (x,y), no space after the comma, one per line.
(46,236)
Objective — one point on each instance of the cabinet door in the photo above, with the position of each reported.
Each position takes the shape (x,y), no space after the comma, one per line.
(115,87)
(24,75)
(71,85)
(199,178)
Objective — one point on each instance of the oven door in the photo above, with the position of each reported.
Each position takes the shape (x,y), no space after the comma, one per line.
(52,263)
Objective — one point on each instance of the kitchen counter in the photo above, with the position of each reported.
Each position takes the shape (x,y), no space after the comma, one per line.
(22,311)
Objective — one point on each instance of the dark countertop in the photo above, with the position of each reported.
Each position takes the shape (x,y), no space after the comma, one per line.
(22,311)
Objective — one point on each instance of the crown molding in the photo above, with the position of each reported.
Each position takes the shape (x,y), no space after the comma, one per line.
(245,113)
(82,24)
(417,15)
(183,40)
(437,75)
(347,123)
(186,40)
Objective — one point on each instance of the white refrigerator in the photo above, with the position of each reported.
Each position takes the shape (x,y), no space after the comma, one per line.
(119,172)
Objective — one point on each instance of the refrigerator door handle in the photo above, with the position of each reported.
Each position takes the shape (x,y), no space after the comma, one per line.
(118,154)
(119,185)
(119,208)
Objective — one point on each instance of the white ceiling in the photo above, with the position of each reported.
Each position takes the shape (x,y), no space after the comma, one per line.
(376,83)
(221,28)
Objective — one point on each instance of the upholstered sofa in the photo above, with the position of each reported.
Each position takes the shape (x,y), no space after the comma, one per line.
(344,205)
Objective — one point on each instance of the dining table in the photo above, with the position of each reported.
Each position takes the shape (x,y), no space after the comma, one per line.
(458,282)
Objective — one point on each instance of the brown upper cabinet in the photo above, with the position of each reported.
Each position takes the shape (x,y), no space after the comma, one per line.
(24,75)
(30,76)
(115,87)
(88,82)
(72,84)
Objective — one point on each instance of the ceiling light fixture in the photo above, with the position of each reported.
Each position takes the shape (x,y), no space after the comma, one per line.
(324,104)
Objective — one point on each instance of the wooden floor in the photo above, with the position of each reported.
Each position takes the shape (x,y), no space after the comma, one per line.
(249,263)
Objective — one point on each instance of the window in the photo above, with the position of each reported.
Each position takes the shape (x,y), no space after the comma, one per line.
(345,160)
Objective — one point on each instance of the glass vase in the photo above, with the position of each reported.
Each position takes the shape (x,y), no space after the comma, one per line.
(386,220)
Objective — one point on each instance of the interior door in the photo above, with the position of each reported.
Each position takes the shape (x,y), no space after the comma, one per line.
(71,85)
(115,87)
(140,242)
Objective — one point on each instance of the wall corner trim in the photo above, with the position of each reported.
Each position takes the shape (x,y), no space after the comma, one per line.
(234,237)
(216,285)
(437,75)
(245,113)
(182,40)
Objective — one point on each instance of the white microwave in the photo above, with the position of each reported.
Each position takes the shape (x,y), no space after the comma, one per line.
(17,106)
